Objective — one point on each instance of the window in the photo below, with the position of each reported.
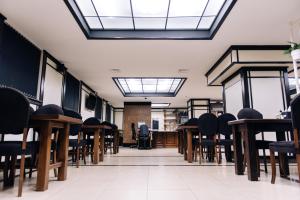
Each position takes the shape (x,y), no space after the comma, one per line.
(150,19)
(147,87)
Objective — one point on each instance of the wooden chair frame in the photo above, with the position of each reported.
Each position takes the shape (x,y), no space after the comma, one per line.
(273,160)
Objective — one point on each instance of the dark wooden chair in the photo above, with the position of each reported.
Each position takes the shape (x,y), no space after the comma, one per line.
(51,109)
(283,147)
(208,127)
(14,118)
(225,130)
(195,137)
(144,140)
(78,144)
(109,137)
(92,121)
(250,113)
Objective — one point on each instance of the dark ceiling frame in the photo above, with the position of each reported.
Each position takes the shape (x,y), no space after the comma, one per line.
(150,34)
(156,94)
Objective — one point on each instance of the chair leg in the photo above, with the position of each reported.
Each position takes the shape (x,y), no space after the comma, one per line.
(22,165)
(54,161)
(281,159)
(84,154)
(298,164)
(12,171)
(258,163)
(200,154)
(273,166)
(55,152)
(220,155)
(265,161)
(77,156)
(216,154)
(5,172)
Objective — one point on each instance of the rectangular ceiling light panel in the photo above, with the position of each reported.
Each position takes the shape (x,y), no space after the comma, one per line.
(142,86)
(150,19)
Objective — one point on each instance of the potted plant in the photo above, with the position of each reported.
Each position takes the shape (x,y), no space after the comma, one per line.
(294,50)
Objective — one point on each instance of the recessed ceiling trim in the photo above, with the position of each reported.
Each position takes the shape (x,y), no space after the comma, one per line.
(149,86)
(205,33)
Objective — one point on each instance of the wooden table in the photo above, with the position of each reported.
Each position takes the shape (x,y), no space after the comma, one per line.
(45,123)
(246,129)
(99,134)
(188,151)
(164,139)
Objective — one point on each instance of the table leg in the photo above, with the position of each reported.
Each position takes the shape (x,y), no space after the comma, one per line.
(44,157)
(238,154)
(115,142)
(181,143)
(185,145)
(228,153)
(102,135)
(178,138)
(96,146)
(189,146)
(284,161)
(63,140)
(251,154)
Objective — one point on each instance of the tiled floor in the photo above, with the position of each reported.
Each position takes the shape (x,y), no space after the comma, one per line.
(153,175)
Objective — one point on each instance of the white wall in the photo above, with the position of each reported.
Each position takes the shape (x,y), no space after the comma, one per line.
(119,119)
(233,96)
(267,99)
(85,113)
(52,86)
(103,110)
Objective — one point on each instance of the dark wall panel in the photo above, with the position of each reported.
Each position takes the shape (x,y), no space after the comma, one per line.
(108,113)
(72,93)
(98,108)
(19,62)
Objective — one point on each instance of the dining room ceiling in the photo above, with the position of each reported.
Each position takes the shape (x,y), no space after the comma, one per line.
(50,25)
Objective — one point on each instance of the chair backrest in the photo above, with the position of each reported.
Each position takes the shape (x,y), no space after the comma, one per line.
(223,127)
(14,111)
(295,111)
(249,113)
(92,121)
(74,128)
(110,131)
(133,131)
(192,122)
(208,124)
(49,109)
(144,130)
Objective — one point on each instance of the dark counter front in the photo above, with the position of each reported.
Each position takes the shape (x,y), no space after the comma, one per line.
(164,139)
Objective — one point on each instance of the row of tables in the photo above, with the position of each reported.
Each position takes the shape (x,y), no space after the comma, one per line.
(244,129)
(46,123)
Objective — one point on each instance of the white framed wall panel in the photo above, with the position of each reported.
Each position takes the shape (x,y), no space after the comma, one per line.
(234,98)
(159,116)
(85,113)
(53,86)
(118,115)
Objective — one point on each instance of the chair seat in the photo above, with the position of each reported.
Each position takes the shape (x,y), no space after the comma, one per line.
(15,148)
(225,142)
(144,138)
(283,146)
(74,143)
(262,144)
(208,142)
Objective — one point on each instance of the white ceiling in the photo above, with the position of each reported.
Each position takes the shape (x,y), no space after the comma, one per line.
(50,25)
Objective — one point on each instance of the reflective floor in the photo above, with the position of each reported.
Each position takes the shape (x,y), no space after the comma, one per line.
(153,175)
